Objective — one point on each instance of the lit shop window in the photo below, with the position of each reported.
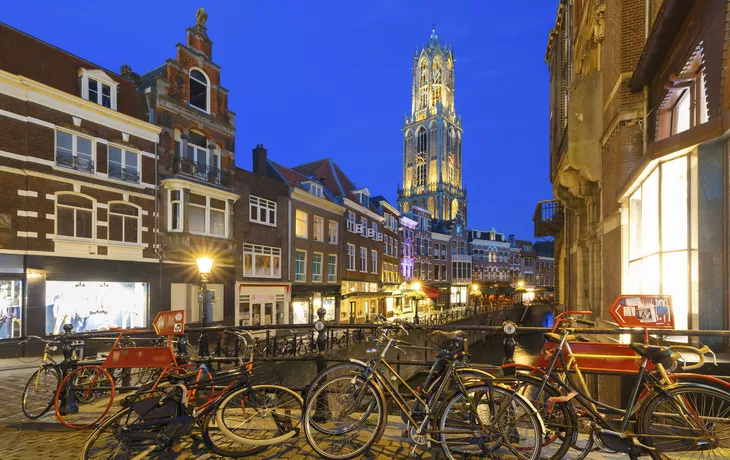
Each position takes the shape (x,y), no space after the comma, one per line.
(11,302)
(662,237)
(95,305)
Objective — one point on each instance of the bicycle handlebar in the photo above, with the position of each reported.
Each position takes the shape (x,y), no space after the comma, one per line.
(586,322)
(701,352)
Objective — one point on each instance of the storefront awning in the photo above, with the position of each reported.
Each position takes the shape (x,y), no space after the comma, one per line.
(372,295)
(431,292)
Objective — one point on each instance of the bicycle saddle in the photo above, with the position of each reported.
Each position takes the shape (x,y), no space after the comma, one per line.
(553,337)
(181,378)
(653,352)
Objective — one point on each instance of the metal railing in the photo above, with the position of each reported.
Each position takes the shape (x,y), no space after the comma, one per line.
(71,161)
(125,174)
(548,218)
(202,172)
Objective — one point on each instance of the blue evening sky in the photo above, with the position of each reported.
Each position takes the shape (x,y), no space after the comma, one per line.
(312,79)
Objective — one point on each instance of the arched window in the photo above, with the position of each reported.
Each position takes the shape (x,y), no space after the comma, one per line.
(406,206)
(422,140)
(199,90)
(454,208)
(436,83)
(449,140)
(431,206)
(421,149)
(423,73)
(74,216)
(124,223)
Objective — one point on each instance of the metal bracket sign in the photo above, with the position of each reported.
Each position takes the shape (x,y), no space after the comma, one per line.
(643,311)
(170,322)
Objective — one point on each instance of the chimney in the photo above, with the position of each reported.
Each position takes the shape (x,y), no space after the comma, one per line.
(126,72)
(259,160)
(511,238)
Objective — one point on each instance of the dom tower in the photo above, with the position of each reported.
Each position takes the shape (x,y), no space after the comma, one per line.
(432,137)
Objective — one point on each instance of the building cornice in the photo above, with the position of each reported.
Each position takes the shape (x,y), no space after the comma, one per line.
(362,209)
(29,90)
(308,198)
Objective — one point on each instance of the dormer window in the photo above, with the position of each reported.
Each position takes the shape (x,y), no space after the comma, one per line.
(98,87)
(199,90)
(315,189)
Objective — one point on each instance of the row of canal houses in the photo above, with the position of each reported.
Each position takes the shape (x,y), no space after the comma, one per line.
(112,184)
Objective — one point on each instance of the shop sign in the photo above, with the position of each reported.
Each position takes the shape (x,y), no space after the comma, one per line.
(170,322)
(643,311)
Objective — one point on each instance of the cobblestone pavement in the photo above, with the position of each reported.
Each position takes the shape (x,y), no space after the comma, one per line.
(48,440)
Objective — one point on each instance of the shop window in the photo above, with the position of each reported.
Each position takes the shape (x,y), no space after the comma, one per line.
(199,90)
(333,229)
(123,164)
(301,224)
(267,309)
(261,261)
(659,250)
(317,267)
(262,211)
(300,312)
(124,223)
(332,268)
(74,216)
(300,266)
(74,151)
(207,216)
(95,305)
(11,303)
(318,229)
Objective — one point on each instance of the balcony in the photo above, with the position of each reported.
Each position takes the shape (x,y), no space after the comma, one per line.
(68,160)
(549,218)
(202,172)
(124,174)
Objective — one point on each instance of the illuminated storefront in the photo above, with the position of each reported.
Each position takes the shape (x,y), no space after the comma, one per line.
(95,305)
(261,304)
(661,254)
(361,301)
(11,302)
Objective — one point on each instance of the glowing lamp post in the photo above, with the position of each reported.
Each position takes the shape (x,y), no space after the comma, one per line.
(520,286)
(416,294)
(205,265)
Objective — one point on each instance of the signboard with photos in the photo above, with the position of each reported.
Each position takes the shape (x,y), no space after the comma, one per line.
(643,311)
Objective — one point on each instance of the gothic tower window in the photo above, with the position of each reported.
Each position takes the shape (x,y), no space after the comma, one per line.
(421,149)
(436,83)
(199,90)
(423,91)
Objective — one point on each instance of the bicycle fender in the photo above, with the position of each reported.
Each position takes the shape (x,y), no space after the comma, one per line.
(357,361)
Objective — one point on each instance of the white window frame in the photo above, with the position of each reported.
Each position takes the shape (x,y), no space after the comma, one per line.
(101,78)
(258,250)
(363,259)
(373,261)
(208,209)
(124,216)
(334,279)
(316,190)
(74,150)
(317,275)
(262,205)
(124,150)
(350,257)
(207,92)
(333,230)
(170,204)
(93,217)
(305,234)
(304,266)
(318,224)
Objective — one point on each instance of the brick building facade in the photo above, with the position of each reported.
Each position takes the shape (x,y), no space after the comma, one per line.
(638,155)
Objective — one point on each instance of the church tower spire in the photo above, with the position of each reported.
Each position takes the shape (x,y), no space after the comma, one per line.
(432,176)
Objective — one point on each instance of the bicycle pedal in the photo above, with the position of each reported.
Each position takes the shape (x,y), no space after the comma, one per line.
(404,434)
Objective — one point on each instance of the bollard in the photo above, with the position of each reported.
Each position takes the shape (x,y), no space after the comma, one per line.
(509,328)
(68,398)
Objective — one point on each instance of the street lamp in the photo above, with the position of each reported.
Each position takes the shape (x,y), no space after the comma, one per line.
(205,264)
(520,285)
(416,286)
(475,293)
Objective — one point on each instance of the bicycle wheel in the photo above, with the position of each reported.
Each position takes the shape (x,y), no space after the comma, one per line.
(78,387)
(489,422)
(687,421)
(262,415)
(220,444)
(339,422)
(560,420)
(40,391)
(106,441)
(331,372)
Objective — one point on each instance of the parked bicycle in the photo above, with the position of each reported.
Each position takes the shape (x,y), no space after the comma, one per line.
(665,417)
(345,416)
(237,417)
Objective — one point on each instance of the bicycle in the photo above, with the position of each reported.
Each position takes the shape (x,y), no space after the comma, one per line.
(641,428)
(237,418)
(41,386)
(347,337)
(346,415)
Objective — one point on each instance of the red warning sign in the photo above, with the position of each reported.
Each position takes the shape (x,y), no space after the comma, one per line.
(643,311)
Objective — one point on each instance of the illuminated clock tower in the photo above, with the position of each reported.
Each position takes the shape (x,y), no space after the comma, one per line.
(432,137)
